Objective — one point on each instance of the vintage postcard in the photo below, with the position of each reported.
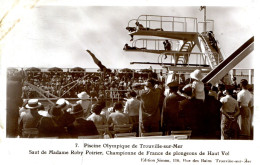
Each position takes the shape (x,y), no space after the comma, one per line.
(139,82)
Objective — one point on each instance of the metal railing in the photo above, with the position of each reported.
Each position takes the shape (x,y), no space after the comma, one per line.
(170,21)
(200,58)
(210,22)
(146,41)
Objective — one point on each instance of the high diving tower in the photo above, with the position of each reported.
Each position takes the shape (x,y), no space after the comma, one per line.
(190,49)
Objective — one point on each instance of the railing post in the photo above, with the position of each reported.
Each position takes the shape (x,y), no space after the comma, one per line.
(161,21)
(185,24)
(146,20)
(250,76)
(172,23)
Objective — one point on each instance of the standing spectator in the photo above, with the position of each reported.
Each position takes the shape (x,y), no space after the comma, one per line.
(132,107)
(230,112)
(220,94)
(197,85)
(213,92)
(211,116)
(149,115)
(234,82)
(245,101)
(191,113)
(167,45)
(170,111)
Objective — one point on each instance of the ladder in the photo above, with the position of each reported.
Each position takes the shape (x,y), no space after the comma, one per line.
(212,56)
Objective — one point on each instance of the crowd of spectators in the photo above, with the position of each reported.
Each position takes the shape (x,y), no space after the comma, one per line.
(223,112)
(69,84)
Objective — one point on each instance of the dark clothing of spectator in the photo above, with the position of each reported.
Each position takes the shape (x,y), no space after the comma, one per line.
(82,127)
(170,112)
(48,127)
(191,116)
(212,117)
(150,116)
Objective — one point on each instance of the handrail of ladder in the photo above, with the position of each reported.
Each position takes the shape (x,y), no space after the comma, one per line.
(210,53)
(228,59)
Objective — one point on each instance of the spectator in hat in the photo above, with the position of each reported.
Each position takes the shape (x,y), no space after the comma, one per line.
(65,107)
(245,101)
(170,111)
(51,126)
(84,102)
(32,118)
(197,85)
(81,127)
(149,115)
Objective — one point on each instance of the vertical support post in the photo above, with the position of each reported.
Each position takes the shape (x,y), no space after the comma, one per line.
(161,22)
(146,20)
(172,23)
(233,72)
(205,19)
(250,76)
(185,25)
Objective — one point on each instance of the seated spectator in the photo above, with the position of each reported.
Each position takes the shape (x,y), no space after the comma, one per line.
(132,107)
(96,117)
(117,117)
(65,106)
(81,127)
(84,102)
(51,126)
(32,118)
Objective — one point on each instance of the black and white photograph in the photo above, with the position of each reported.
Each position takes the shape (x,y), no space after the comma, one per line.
(145,82)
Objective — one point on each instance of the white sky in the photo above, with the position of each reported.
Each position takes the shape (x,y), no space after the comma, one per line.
(56,34)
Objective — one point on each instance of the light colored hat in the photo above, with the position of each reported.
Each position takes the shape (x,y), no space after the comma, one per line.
(62,103)
(33,104)
(173,84)
(196,74)
(83,96)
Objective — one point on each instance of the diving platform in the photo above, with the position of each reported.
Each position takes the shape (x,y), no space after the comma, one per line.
(184,35)
(178,35)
